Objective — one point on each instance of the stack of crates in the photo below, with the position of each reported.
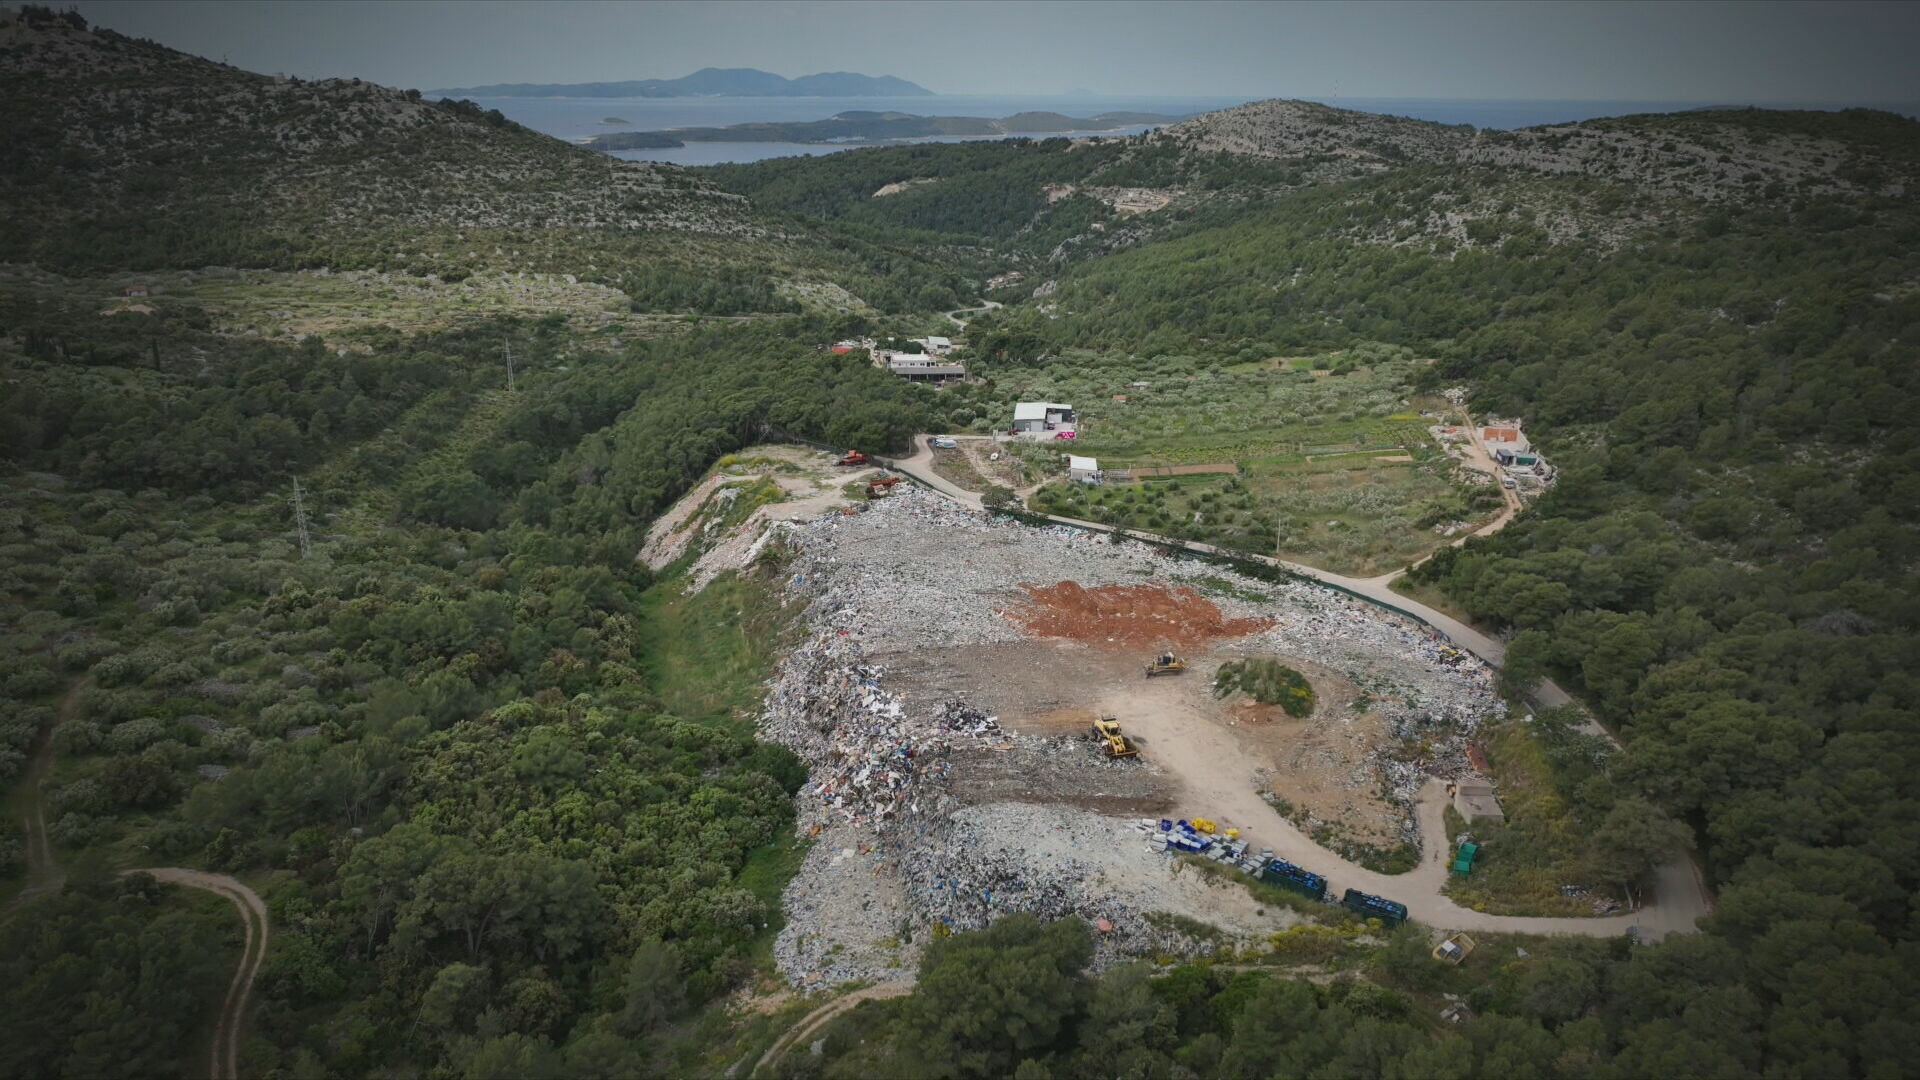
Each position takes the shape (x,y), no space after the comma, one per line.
(1182,837)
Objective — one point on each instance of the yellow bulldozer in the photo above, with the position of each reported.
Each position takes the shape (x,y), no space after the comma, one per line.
(1455,949)
(1165,664)
(1107,730)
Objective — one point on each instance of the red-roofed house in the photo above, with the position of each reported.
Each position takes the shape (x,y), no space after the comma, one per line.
(1504,438)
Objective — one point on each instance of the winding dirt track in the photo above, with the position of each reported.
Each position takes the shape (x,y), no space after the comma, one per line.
(818,1018)
(43,873)
(954,316)
(44,876)
(1680,896)
(225,1063)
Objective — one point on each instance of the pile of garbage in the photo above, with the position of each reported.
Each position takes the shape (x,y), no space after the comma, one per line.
(899,853)
(868,760)
(960,717)
(982,863)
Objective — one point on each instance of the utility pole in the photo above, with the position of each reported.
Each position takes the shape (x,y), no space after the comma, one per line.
(300,519)
(509,367)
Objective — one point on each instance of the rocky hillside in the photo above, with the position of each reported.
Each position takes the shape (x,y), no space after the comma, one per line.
(1307,130)
(1714,155)
(122,151)
(1708,155)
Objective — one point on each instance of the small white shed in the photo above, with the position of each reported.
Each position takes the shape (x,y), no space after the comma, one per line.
(1083,470)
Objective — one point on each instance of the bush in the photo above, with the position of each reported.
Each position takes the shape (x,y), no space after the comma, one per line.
(1268,682)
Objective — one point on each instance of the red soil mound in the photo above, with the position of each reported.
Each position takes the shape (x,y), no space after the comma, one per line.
(1127,616)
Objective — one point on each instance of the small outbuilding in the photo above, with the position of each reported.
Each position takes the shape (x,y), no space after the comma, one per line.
(1083,470)
(1474,799)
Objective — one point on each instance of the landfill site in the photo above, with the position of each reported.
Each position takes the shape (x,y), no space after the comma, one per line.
(947,697)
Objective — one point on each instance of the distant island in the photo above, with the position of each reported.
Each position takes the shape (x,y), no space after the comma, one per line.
(709,82)
(634,140)
(615,120)
(859,125)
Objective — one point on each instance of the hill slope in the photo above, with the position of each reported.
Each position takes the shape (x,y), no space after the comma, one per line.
(711,82)
(1705,153)
(124,153)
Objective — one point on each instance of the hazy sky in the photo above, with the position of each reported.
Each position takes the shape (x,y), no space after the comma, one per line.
(1723,51)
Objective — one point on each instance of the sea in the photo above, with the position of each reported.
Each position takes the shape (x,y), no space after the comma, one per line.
(575,119)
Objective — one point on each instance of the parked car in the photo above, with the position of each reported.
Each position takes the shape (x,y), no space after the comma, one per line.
(941,442)
(1063,434)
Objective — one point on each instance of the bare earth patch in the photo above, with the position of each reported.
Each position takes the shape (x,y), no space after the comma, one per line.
(1128,616)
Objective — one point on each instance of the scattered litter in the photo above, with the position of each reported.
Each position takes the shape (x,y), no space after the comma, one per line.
(916,572)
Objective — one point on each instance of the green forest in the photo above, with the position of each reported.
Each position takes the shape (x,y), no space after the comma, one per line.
(497,782)
(441,734)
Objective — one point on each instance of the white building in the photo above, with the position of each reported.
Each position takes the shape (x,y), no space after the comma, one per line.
(922,367)
(1083,470)
(1038,417)
(938,345)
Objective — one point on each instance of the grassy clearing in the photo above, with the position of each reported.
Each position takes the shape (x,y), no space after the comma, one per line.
(954,465)
(1336,470)
(706,655)
(1524,861)
(1397,859)
(765,875)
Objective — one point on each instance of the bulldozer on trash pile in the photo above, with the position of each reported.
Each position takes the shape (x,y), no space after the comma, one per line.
(1107,730)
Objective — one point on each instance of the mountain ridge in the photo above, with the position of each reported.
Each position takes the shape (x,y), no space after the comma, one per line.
(709,82)
(857,125)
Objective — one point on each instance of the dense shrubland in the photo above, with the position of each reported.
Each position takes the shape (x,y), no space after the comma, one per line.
(443,737)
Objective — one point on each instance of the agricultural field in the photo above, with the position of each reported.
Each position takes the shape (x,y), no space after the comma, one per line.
(1336,467)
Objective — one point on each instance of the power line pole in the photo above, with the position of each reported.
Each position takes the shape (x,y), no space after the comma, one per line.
(300,519)
(509,367)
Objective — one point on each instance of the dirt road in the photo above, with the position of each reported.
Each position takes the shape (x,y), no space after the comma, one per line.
(30,806)
(44,876)
(225,1063)
(1193,751)
(818,1018)
(954,316)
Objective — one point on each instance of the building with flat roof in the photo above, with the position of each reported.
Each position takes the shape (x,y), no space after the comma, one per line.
(921,367)
(1504,438)
(1039,417)
(1084,470)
